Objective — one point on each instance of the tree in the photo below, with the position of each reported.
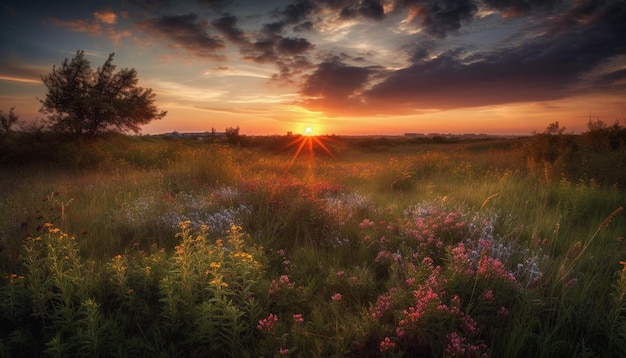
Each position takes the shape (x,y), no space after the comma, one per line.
(7,120)
(232,134)
(85,103)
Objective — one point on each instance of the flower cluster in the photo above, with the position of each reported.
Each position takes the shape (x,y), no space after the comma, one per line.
(277,286)
(383,304)
(268,324)
(387,345)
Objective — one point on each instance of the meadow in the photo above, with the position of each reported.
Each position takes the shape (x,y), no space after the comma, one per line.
(154,247)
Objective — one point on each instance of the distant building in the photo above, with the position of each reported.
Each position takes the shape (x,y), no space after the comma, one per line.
(413,134)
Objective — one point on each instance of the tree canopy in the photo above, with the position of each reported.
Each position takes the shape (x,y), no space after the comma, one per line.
(84,102)
(7,120)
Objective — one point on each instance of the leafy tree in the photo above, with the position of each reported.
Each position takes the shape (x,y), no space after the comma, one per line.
(6,121)
(232,134)
(85,103)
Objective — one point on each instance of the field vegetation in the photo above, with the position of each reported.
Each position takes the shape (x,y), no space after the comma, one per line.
(429,247)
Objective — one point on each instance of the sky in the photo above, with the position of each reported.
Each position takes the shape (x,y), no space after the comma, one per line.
(345,67)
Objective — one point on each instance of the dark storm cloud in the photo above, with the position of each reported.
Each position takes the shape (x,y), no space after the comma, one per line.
(293,46)
(288,54)
(185,31)
(442,17)
(260,51)
(370,9)
(549,65)
(612,79)
(227,25)
(518,7)
(335,79)
(298,12)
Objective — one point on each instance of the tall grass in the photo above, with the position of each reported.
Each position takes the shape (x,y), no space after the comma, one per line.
(450,249)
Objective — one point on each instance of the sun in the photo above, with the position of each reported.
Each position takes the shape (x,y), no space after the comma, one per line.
(308,142)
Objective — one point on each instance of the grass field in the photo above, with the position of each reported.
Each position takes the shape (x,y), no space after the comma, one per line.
(144,246)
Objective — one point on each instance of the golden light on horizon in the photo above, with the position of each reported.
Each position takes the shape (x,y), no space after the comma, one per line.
(308,131)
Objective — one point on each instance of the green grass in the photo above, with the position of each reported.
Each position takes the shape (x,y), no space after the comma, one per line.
(91,245)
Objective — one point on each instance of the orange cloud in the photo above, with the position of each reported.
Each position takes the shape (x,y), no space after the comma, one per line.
(94,26)
(107,17)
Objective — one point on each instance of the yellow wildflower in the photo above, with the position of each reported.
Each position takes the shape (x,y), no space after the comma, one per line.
(218,283)
(215,265)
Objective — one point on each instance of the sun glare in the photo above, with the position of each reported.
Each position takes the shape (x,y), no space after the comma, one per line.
(308,142)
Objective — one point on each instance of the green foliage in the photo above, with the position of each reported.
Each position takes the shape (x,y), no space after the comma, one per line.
(7,120)
(308,257)
(82,102)
(591,157)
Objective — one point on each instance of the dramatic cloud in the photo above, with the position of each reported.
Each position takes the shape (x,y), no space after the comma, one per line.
(346,57)
(188,32)
(107,17)
(298,12)
(227,25)
(335,87)
(546,66)
(518,7)
(293,46)
(370,9)
(102,23)
(440,18)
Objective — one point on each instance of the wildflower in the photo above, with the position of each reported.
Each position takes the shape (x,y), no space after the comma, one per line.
(387,344)
(488,296)
(455,345)
(283,351)
(340,274)
(215,265)
(135,244)
(503,312)
(268,324)
(297,318)
(336,297)
(366,223)
(218,283)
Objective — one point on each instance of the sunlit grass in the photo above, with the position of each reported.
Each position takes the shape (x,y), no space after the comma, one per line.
(326,254)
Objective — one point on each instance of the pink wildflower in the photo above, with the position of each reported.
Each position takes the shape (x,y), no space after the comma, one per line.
(336,297)
(387,344)
(488,296)
(297,318)
(268,324)
(283,351)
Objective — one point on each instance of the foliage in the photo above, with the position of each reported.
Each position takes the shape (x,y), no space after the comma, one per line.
(232,135)
(7,120)
(161,247)
(591,156)
(82,102)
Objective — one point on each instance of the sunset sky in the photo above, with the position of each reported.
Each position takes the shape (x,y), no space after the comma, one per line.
(346,67)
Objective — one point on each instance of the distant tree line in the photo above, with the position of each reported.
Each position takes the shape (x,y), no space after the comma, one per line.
(597,155)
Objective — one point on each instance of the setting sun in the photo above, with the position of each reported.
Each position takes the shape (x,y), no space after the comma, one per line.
(308,131)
